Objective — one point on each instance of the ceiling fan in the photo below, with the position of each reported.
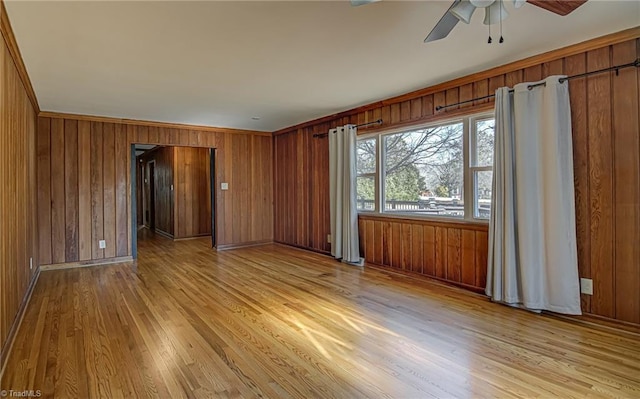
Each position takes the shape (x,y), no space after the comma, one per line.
(462,10)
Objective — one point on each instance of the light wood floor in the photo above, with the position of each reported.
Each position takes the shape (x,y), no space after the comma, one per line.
(277,322)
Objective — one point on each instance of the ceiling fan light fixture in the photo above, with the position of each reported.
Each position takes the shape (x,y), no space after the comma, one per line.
(463,11)
(518,3)
(495,13)
(482,3)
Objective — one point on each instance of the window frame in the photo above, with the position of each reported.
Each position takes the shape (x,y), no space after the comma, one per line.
(375,174)
(473,167)
(469,154)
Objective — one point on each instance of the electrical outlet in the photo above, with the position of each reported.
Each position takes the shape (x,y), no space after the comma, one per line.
(586,286)
(329,238)
(102,244)
(30,263)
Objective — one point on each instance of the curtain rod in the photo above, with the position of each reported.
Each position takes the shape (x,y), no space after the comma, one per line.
(616,68)
(378,122)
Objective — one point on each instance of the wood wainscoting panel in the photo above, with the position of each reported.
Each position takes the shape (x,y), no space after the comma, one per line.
(481,249)
(449,253)
(416,260)
(468,250)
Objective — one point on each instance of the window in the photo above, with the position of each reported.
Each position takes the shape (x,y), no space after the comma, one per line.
(442,170)
(366,174)
(481,165)
(423,171)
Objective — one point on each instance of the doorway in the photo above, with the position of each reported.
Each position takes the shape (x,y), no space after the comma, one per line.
(173,193)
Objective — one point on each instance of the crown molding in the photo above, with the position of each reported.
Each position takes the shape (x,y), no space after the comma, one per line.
(136,122)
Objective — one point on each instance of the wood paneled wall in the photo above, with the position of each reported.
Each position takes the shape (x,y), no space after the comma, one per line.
(193,192)
(164,198)
(185,211)
(163,180)
(85,185)
(453,252)
(83,176)
(18,228)
(606,148)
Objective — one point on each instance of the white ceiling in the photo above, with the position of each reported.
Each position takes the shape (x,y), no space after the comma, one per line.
(221,63)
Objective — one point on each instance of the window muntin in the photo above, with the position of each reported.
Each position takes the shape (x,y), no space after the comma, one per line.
(442,170)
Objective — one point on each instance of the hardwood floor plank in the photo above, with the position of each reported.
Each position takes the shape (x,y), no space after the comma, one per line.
(274,321)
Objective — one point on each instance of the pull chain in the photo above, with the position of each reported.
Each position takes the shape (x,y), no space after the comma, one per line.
(501,5)
(490,40)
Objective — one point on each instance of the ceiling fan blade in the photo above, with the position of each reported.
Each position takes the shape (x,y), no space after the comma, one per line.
(559,7)
(356,3)
(444,26)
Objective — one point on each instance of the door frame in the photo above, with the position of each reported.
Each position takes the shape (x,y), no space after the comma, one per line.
(133,197)
(134,203)
(212,192)
(152,194)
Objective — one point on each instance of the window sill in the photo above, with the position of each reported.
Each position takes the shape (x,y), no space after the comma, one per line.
(432,221)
